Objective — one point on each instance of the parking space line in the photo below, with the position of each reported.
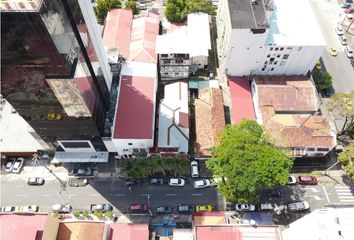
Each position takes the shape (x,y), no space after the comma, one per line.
(171,194)
(197,194)
(325,191)
(352,197)
(145,194)
(120,194)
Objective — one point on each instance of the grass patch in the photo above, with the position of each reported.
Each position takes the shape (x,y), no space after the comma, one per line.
(312,173)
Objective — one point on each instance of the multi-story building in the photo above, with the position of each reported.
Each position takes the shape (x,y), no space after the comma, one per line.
(268,37)
(183,49)
(54,69)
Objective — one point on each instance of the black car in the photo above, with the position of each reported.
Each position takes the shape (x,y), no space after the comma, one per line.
(156,181)
(164,210)
(185,208)
(133,183)
(274,193)
(81,172)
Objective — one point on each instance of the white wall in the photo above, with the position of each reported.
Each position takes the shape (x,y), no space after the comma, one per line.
(121,144)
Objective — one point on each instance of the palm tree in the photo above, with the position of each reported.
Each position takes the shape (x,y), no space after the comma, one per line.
(178,166)
(159,164)
(143,167)
(130,168)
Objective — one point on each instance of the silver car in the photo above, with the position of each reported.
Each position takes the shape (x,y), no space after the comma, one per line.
(18,165)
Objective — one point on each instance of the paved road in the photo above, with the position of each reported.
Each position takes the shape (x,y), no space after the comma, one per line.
(327,14)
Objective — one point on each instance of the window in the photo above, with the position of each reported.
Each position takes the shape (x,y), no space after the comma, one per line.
(285,56)
(166,61)
(281,49)
(272,69)
(266,62)
(276,49)
(179,61)
(323,149)
(310,149)
(164,55)
(282,63)
(176,74)
(272,59)
(289,48)
(263,69)
(299,49)
(130,144)
(165,73)
(278,56)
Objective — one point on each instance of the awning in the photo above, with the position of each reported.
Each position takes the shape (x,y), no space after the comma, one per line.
(82,157)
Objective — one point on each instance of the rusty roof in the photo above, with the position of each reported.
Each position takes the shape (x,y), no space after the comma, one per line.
(209,119)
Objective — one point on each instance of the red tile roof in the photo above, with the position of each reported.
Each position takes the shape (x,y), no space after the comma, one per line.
(209,119)
(234,232)
(14,227)
(129,231)
(135,109)
(241,99)
(143,38)
(117,30)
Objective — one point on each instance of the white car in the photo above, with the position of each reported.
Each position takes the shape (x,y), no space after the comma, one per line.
(298,206)
(194,169)
(350,16)
(9,165)
(339,30)
(343,40)
(9,209)
(18,165)
(177,182)
(202,183)
(291,180)
(61,208)
(29,208)
(348,51)
(245,207)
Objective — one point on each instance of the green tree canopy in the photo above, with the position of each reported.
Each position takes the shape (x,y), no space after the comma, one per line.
(103,6)
(342,104)
(346,158)
(177,10)
(323,80)
(131,4)
(248,161)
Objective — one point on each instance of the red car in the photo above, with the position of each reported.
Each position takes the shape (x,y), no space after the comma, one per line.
(307,180)
(349,10)
(139,208)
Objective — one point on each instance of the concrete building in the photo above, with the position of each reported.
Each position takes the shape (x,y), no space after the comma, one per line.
(289,110)
(54,69)
(184,48)
(173,128)
(266,37)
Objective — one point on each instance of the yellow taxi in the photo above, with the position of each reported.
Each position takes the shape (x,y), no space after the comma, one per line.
(333,51)
(204,208)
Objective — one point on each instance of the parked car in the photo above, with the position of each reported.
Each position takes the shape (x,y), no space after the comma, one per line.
(185,208)
(139,208)
(81,172)
(61,208)
(216,181)
(350,16)
(291,180)
(164,210)
(307,180)
(333,51)
(9,209)
(194,169)
(204,208)
(267,206)
(243,207)
(349,10)
(343,40)
(10,165)
(177,182)
(29,208)
(298,206)
(18,164)
(201,183)
(133,183)
(348,51)
(35,181)
(157,181)
(329,91)
(104,207)
(339,30)
(274,193)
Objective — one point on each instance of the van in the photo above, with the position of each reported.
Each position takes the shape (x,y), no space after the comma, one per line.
(349,51)
(267,206)
(194,169)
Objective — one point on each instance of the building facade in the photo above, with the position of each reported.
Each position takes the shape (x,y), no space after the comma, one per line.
(54,69)
(264,37)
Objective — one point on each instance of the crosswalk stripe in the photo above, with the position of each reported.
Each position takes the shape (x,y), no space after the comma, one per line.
(346,200)
(346,197)
(343,190)
(342,187)
(344,193)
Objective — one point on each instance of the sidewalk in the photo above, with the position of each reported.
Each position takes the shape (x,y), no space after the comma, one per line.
(335,177)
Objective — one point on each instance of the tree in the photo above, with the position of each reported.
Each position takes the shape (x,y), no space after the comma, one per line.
(131,4)
(159,164)
(248,161)
(178,166)
(342,104)
(102,8)
(323,80)
(346,158)
(205,6)
(176,10)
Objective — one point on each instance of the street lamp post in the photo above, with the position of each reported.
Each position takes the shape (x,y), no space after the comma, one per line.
(148,196)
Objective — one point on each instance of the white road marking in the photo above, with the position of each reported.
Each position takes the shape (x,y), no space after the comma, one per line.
(346,200)
(120,194)
(145,194)
(312,189)
(197,194)
(171,194)
(343,190)
(46,195)
(315,197)
(21,195)
(342,187)
(344,193)
(352,197)
(325,191)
